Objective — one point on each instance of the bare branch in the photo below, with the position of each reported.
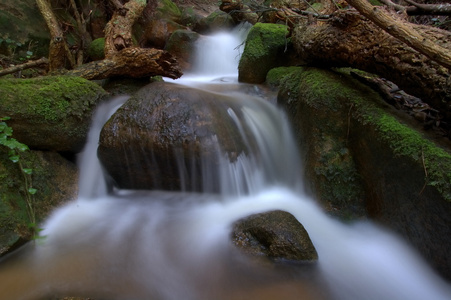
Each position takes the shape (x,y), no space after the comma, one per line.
(430,9)
(27,65)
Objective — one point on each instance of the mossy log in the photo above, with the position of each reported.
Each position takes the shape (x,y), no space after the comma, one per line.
(349,39)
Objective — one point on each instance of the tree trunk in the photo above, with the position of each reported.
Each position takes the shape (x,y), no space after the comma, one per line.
(131,62)
(118,31)
(404,31)
(59,53)
(350,40)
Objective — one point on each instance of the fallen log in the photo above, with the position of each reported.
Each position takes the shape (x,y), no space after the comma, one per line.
(404,31)
(131,62)
(350,40)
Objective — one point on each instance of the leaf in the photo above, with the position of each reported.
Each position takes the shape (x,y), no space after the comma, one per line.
(28,171)
(32,191)
(22,147)
(14,158)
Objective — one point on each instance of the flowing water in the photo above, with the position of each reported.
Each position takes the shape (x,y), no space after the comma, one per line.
(176,245)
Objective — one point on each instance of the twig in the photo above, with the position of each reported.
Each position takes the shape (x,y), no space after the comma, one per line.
(424,166)
(349,122)
(24,66)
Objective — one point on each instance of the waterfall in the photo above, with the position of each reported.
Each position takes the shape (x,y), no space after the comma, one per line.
(124,246)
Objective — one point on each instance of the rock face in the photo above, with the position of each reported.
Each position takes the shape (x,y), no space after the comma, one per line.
(404,175)
(52,112)
(55,180)
(218,20)
(21,23)
(166,135)
(276,235)
(264,50)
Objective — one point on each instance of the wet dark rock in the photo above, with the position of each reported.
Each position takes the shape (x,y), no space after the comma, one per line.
(55,180)
(218,20)
(362,155)
(181,44)
(166,134)
(276,235)
(158,32)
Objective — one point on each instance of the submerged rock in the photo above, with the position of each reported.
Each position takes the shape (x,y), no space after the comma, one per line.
(276,235)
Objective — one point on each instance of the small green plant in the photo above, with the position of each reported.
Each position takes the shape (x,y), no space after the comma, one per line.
(14,154)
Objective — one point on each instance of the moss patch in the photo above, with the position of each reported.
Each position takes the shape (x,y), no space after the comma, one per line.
(50,98)
(335,91)
(96,49)
(58,108)
(264,50)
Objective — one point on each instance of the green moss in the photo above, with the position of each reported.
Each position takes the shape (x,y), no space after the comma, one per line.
(331,91)
(264,38)
(265,48)
(51,98)
(96,49)
(287,76)
(169,10)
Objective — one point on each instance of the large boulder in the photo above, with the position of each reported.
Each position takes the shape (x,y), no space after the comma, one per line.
(52,112)
(405,174)
(265,48)
(165,136)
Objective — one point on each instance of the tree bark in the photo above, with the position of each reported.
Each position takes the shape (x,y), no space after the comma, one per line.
(59,53)
(118,31)
(404,31)
(131,62)
(350,40)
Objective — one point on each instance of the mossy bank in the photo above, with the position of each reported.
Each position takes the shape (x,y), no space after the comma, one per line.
(55,181)
(361,155)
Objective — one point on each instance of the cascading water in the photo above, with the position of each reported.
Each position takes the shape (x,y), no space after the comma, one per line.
(151,245)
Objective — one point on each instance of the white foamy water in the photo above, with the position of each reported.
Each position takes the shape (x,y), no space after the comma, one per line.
(174,245)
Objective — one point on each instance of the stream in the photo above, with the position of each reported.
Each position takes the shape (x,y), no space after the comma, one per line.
(129,244)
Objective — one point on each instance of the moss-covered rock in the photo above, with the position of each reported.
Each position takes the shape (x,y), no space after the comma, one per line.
(55,180)
(169,10)
(96,49)
(345,129)
(52,112)
(264,50)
